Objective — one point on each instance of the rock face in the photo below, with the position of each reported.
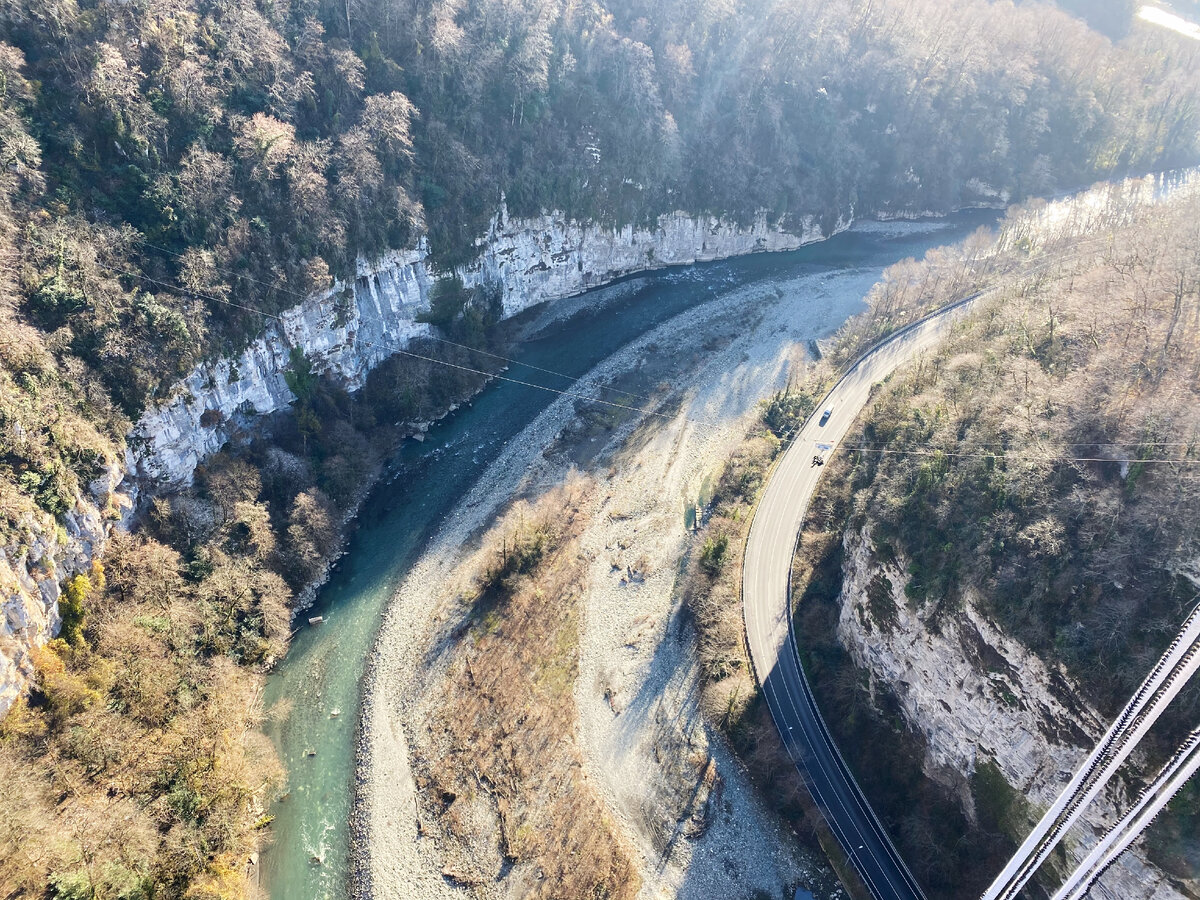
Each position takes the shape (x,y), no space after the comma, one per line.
(975,694)
(345,333)
(547,258)
(350,329)
(32,570)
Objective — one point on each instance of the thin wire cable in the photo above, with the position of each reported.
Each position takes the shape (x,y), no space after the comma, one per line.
(1078,250)
(395,349)
(1004,457)
(567,393)
(1114,443)
(432,337)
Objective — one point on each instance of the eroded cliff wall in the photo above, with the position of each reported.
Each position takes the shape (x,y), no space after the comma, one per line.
(34,567)
(977,695)
(349,330)
(345,332)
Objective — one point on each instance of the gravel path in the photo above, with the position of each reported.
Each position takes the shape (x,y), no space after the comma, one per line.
(637,691)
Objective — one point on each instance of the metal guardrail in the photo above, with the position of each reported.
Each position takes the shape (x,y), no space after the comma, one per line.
(826,735)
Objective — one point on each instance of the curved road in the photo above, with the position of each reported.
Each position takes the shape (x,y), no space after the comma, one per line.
(765,592)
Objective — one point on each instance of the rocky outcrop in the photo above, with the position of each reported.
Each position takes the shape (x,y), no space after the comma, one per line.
(345,332)
(33,567)
(548,258)
(975,694)
(350,329)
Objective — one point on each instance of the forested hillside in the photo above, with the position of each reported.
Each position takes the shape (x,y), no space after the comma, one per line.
(235,150)
(1040,469)
(175,169)
(172,167)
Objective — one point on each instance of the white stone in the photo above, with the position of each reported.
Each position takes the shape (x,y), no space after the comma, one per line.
(1005,711)
(531,260)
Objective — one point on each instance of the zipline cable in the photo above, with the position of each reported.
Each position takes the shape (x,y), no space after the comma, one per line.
(430,359)
(432,337)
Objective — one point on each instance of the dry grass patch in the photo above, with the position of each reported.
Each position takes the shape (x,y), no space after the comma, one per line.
(502,772)
(712,584)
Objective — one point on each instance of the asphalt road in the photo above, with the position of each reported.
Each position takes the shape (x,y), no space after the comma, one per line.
(765,591)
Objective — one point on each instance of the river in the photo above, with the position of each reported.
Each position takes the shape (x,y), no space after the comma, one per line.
(314,692)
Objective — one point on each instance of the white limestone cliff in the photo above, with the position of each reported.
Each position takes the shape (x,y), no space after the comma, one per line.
(350,329)
(33,568)
(976,694)
(345,332)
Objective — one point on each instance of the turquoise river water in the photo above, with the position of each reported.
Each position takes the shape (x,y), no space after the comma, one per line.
(308,858)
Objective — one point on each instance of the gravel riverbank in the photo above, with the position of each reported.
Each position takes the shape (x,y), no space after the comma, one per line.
(647,750)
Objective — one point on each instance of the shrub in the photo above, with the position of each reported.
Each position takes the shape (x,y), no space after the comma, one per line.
(71,609)
(300,378)
(48,488)
(713,554)
(881,602)
(446,303)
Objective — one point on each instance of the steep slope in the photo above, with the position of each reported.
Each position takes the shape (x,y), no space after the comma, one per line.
(347,331)
(178,173)
(1013,536)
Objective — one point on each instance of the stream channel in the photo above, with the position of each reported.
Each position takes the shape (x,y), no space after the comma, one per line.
(308,857)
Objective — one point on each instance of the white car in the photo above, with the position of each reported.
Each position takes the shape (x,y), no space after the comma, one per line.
(825,416)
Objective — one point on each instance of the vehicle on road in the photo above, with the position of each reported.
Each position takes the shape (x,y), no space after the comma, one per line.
(777,522)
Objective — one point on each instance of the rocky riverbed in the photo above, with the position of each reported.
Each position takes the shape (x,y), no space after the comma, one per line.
(647,751)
